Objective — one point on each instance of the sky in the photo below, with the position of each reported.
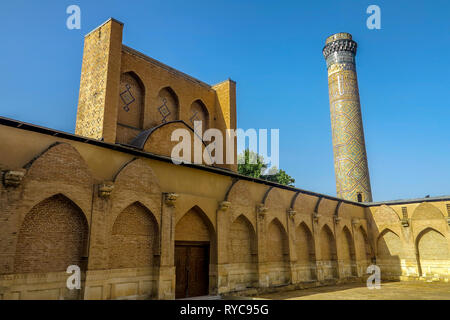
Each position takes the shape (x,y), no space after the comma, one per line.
(273,50)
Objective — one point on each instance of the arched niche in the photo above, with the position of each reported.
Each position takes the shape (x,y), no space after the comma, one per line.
(277,248)
(242,252)
(130,107)
(134,239)
(328,254)
(199,112)
(306,253)
(168,108)
(364,252)
(52,236)
(389,252)
(348,258)
(433,254)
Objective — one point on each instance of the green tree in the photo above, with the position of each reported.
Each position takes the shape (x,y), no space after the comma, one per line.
(252,164)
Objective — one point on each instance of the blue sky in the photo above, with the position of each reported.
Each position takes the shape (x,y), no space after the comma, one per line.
(272,49)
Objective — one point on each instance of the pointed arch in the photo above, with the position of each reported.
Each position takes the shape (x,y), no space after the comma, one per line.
(389,252)
(277,246)
(328,253)
(137,175)
(426,211)
(348,257)
(52,236)
(134,240)
(199,112)
(60,168)
(433,254)
(364,251)
(385,215)
(277,249)
(131,105)
(306,253)
(168,105)
(194,225)
(242,252)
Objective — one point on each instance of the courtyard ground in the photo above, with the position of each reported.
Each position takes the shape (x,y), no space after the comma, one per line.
(417,290)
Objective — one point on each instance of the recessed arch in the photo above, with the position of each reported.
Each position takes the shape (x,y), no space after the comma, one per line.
(277,240)
(199,112)
(134,241)
(168,106)
(277,244)
(364,251)
(348,257)
(277,248)
(389,252)
(306,253)
(427,211)
(328,253)
(433,254)
(242,253)
(131,105)
(194,225)
(52,236)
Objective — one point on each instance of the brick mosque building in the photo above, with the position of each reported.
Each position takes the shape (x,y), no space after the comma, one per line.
(109,199)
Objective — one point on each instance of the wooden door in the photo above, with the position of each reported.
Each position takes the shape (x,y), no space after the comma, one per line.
(192,270)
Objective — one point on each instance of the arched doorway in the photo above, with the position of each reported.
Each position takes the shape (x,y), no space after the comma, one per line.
(193,242)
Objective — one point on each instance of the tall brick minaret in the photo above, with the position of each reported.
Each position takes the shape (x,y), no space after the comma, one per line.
(350,158)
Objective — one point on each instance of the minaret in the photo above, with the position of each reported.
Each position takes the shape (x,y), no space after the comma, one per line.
(350,158)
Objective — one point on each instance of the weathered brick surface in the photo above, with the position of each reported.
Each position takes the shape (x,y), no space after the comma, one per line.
(52,236)
(134,239)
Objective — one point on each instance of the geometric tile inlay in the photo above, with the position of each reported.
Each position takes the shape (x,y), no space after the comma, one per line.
(350,158)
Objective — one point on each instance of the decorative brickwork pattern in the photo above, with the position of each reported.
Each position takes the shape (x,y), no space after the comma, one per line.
(199,113)
(131,108)
(52,236)
(168,107)
(91,102)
